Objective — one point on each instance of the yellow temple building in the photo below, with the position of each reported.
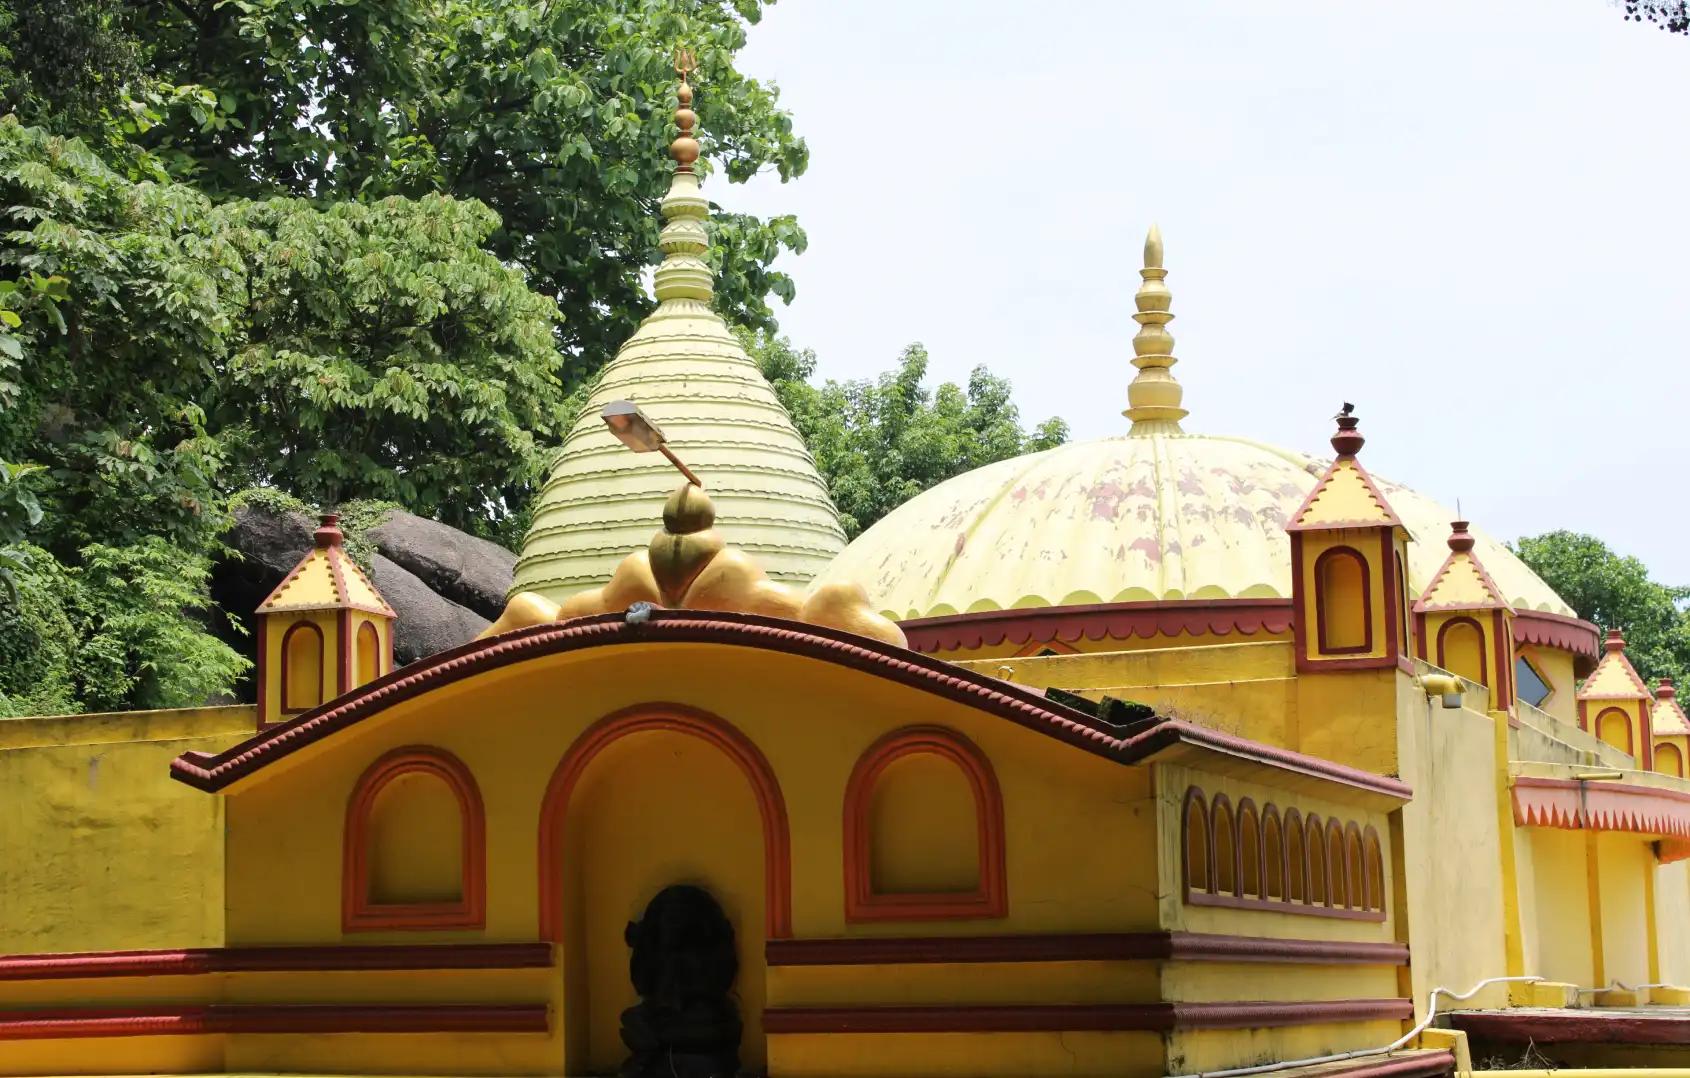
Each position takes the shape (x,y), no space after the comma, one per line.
(1169,753)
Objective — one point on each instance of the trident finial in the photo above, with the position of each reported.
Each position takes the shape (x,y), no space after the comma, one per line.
(685,148)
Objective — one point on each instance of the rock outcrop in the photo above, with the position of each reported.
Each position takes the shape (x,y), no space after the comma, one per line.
(444,584)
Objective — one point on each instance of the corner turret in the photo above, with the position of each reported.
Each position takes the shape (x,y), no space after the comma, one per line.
(1615,705)
(324,631)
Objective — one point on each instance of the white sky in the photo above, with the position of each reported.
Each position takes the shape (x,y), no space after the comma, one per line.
(1469,218)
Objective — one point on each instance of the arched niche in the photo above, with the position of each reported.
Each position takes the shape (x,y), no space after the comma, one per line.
(652,796)
(1461,650)
(415,845)
(302,667)
(369,652)
(1199,867)
(1668,759)
(1343,597)
(924,835)
(1613,725)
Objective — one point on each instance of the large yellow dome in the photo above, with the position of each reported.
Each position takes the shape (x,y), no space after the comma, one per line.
(1162,516)
(1153,515)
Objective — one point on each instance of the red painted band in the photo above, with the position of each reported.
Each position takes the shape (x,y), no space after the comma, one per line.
(200,960)
(1080,947)
(1573,1027)
(191,1020)
(1118,621)
(1087,1017)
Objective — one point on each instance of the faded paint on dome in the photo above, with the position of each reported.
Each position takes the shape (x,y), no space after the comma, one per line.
(1131,518)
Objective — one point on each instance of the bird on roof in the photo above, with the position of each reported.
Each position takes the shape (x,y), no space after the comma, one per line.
(1346,411)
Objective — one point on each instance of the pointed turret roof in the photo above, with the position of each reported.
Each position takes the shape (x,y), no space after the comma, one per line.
(1667,716)
(686,370)
(326,579)
(1461,583)
(1614,677)
(1345,496)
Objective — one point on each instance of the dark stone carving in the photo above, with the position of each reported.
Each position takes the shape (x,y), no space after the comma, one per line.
(683,965)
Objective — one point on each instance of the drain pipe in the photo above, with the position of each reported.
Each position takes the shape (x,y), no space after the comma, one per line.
(1360,1053)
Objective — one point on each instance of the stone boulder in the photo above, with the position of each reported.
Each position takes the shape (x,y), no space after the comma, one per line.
(428,622)
(469,571)
(445,585)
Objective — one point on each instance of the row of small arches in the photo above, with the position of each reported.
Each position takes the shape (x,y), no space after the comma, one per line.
(1288,861)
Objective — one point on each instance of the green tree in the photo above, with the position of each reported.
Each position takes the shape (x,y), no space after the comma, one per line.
(880,442)
(1616,592)
(552,113)
(354,350)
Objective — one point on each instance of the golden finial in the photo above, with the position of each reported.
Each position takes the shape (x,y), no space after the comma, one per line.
(685,148)
(1154,396)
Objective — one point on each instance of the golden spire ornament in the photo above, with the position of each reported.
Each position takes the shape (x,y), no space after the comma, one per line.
(685,148)
(1154,395)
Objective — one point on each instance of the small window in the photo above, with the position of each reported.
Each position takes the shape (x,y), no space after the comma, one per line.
(1196,842)
(1529,684)
(1273,859)
(1226,848)
(1249,850)
(1296,864)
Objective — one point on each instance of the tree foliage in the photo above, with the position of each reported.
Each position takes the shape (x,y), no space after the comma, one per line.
(880,442)
(552,114)
(1616,592)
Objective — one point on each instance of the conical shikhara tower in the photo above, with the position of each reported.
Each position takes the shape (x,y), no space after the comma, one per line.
(687,372)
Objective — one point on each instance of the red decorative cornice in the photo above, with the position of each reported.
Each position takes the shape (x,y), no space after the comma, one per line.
(1557,631)
(1016,703)
(193,961)
(1070,1017)
(1600,806)
(1405,1065)
(1117,621)
(199,1019)
(1079,947)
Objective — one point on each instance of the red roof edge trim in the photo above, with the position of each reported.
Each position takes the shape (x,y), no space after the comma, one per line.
(1600,806)
(1171,732)
(1018,704)
(1545,629)
(193,961)
(1023,706)
(1118,621)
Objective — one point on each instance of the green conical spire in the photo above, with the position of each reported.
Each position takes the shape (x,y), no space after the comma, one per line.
(685,369)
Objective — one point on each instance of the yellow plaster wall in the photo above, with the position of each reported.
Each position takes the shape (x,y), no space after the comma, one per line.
(1672,921)
(1453,844)
(1624,860)
(100,849)
(1561,906)
(1063,807)
(967,1055)
(1344,716)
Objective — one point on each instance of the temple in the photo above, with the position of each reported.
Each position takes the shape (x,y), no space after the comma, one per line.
(1170,753)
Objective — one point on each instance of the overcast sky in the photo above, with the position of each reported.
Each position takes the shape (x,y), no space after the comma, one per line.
(1469,218)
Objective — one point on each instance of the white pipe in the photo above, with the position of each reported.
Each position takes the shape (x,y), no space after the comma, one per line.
(1623,987)
(1431,1013)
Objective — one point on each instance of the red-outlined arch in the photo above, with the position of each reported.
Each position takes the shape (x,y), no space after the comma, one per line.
(1194,800)
(288,704)
(357,912)
(678,718)
(990,898)
(1624,717)
(1479,631)
(1321,600)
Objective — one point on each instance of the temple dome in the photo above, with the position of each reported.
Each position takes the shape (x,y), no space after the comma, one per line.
(1146,516)
(1155,514)
(689,374)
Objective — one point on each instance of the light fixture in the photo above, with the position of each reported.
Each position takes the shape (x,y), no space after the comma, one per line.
(634,430)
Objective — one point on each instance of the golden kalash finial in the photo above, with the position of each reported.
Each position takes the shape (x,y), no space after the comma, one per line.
(685,148)
(1154,395)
